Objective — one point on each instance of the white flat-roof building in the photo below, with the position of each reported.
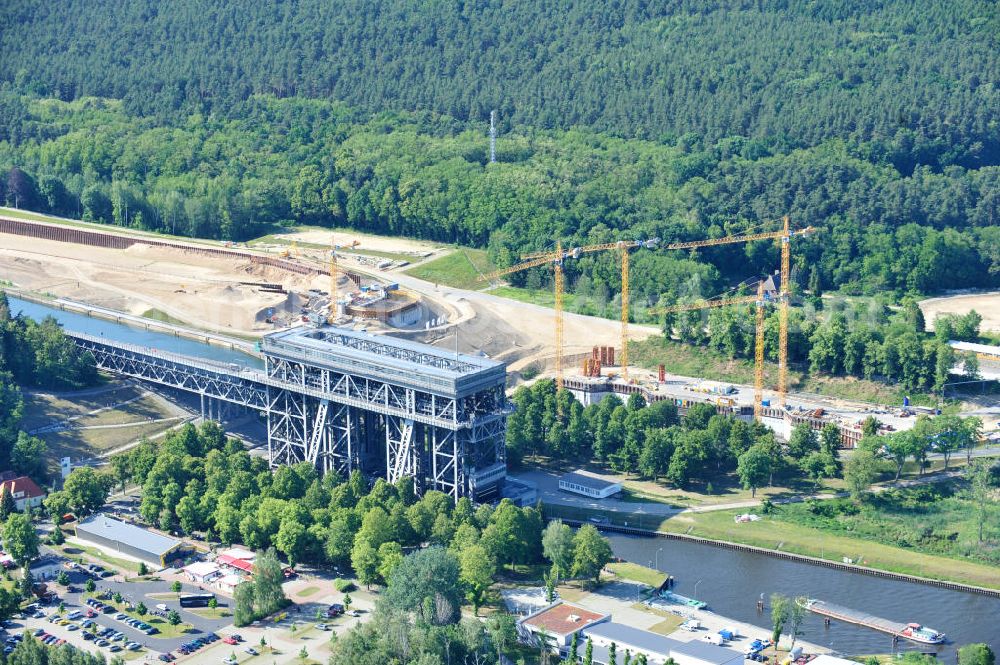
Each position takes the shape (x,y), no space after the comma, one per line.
(657,648)
(202,571)
(588,484)
(129,539)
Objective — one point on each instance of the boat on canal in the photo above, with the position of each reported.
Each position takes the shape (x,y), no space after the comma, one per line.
(910,631)
(672,597)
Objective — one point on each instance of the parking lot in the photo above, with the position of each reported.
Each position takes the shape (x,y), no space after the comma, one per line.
(285,636)
(150,593)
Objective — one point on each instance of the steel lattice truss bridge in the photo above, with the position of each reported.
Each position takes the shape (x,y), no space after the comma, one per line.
(345,400)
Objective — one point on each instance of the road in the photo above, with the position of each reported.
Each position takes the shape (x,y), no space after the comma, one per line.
(549,492)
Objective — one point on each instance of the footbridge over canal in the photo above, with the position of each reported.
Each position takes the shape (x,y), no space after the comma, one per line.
(345,400)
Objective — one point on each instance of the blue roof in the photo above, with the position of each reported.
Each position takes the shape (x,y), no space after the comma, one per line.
(129,534)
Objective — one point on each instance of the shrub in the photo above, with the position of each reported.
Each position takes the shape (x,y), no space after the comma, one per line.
(343,586)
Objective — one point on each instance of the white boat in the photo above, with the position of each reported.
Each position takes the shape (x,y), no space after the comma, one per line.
(922,634)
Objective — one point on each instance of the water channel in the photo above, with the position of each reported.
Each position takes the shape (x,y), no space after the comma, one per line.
(728,580)
(124,332)
(731,582)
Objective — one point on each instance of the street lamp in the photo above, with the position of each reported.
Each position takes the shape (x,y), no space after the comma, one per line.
(657,557)
(696,588)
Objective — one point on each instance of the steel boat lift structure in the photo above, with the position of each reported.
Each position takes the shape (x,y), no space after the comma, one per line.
(344,400)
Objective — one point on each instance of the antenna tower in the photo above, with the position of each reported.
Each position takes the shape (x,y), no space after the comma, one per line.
(493,137)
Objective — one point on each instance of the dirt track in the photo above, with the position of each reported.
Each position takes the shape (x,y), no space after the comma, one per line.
(987,304)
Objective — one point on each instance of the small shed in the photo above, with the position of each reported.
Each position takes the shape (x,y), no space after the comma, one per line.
(129,539)
(588,484)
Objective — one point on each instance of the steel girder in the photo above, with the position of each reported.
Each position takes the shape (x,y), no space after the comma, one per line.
(316,415)
(217,383)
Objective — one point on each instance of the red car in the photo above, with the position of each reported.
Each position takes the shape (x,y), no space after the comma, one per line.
(230,640)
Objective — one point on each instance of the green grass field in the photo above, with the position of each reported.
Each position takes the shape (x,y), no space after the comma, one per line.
(636,573)
(163,317)
(459,269)
(117,427)
(771,533)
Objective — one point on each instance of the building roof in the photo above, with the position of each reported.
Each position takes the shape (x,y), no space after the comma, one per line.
(585,479)
(201,568)
(122,532)
(627,636)
(390,358)
(705,652)
(988,349)
(230,580)
(562,619)
(22,484)
(241,564)
(239,553)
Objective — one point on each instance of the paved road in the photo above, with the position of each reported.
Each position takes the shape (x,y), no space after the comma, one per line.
(549,492)
(135,592)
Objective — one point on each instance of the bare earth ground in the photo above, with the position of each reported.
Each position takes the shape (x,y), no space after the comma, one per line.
(199,290)
(987,304)
(344,238)
(206,292)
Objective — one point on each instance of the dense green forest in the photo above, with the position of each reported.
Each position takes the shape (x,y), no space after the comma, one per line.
(424,175)
(878,123)
(917,79)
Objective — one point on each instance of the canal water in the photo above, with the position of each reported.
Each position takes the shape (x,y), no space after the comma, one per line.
(728,580)
(122,332)
(731,582)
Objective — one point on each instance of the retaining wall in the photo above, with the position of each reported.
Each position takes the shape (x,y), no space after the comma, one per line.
(95,238)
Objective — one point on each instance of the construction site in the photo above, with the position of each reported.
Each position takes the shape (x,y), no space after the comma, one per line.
(320,277)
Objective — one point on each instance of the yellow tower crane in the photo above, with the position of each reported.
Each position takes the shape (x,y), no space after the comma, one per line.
(784,236)
(759,300)
(334,291)
(556,259)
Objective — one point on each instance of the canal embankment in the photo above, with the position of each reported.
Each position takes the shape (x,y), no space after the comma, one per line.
(772,537)
(166,328)
(733,579)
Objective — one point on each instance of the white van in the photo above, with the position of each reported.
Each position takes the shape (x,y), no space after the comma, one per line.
(713,638)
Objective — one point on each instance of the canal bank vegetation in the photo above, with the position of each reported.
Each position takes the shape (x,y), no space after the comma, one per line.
(774,533)
(39,355)
(941,518)
(707,457)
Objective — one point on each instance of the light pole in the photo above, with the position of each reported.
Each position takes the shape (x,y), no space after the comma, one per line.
(657,557)
(696,589)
